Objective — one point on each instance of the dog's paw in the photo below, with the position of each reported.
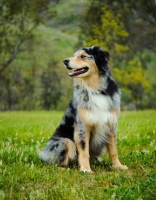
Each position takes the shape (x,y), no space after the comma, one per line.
(122,167)
(86,171)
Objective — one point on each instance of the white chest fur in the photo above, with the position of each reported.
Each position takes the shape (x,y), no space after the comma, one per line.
(99,112)
(97,105)
(100,116)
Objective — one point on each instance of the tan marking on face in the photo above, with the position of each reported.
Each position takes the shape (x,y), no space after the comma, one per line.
(92,81)
(80,62)
(92,78)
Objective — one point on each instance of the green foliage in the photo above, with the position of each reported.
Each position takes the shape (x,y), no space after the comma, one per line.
(18,19)
(24,176)
(113,29)
(24,74)
(109,34)
(132,79)
(51,86)
(68,16)
(124,28)
(139,19)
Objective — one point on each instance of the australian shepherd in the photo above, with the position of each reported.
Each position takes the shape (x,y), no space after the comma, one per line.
(89,124)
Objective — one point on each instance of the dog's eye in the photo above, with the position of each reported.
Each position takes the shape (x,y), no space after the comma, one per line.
(82,56)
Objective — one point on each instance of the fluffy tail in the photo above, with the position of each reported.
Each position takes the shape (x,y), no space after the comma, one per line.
(59,151)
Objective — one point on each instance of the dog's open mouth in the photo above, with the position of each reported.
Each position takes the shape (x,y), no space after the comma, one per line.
(78,71)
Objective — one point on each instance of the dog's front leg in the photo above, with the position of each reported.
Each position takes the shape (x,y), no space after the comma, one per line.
(82,137)
(112,149)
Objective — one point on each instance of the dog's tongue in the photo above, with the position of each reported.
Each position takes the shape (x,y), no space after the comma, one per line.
(76,72)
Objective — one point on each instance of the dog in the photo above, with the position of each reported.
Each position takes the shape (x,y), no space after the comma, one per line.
(89,124)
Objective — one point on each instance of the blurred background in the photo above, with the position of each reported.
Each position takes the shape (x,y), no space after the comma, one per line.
(36,35)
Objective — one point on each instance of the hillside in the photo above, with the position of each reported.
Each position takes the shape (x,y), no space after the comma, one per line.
(54,41)
(38,72)
(68,16)
(58,37)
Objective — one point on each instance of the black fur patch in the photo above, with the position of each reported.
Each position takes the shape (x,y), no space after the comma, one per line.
(62,156)
(54,147)
(65,131)
(83,144)
(112,87)
(101,58)
(66,128)
(77,87)
(103,92)
(55,139)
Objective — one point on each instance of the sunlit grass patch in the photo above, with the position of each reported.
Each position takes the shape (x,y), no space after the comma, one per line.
(24,176)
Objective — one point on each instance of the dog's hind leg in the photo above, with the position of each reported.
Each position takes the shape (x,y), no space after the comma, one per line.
(70,153)
(59,151)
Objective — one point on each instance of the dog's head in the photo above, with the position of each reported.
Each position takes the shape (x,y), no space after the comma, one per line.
(87,61)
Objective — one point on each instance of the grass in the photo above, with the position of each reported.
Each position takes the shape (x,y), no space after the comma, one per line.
(24,176)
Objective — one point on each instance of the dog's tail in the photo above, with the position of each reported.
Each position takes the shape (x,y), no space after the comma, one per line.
(59,151)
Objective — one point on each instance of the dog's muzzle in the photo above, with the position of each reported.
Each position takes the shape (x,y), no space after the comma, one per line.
(74,72)
(66,63)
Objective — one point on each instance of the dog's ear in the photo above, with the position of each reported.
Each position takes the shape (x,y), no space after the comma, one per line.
(101,58)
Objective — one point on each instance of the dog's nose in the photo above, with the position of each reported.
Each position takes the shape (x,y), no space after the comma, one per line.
(66,61)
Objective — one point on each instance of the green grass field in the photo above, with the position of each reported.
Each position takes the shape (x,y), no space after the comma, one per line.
(24,176)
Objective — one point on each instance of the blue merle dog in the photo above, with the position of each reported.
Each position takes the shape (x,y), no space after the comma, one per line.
(89,124)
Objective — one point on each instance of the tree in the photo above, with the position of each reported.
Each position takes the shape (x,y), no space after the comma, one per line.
(10,89)
(51,86)
(133,80)
(138,18)
(109,30)
(18,19)
(110,34)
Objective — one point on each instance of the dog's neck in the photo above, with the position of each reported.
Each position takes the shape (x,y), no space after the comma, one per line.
(92,82)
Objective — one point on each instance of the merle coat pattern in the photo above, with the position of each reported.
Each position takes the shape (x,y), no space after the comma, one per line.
(89,124)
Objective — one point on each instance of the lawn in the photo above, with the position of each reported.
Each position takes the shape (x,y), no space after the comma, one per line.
(24,176)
